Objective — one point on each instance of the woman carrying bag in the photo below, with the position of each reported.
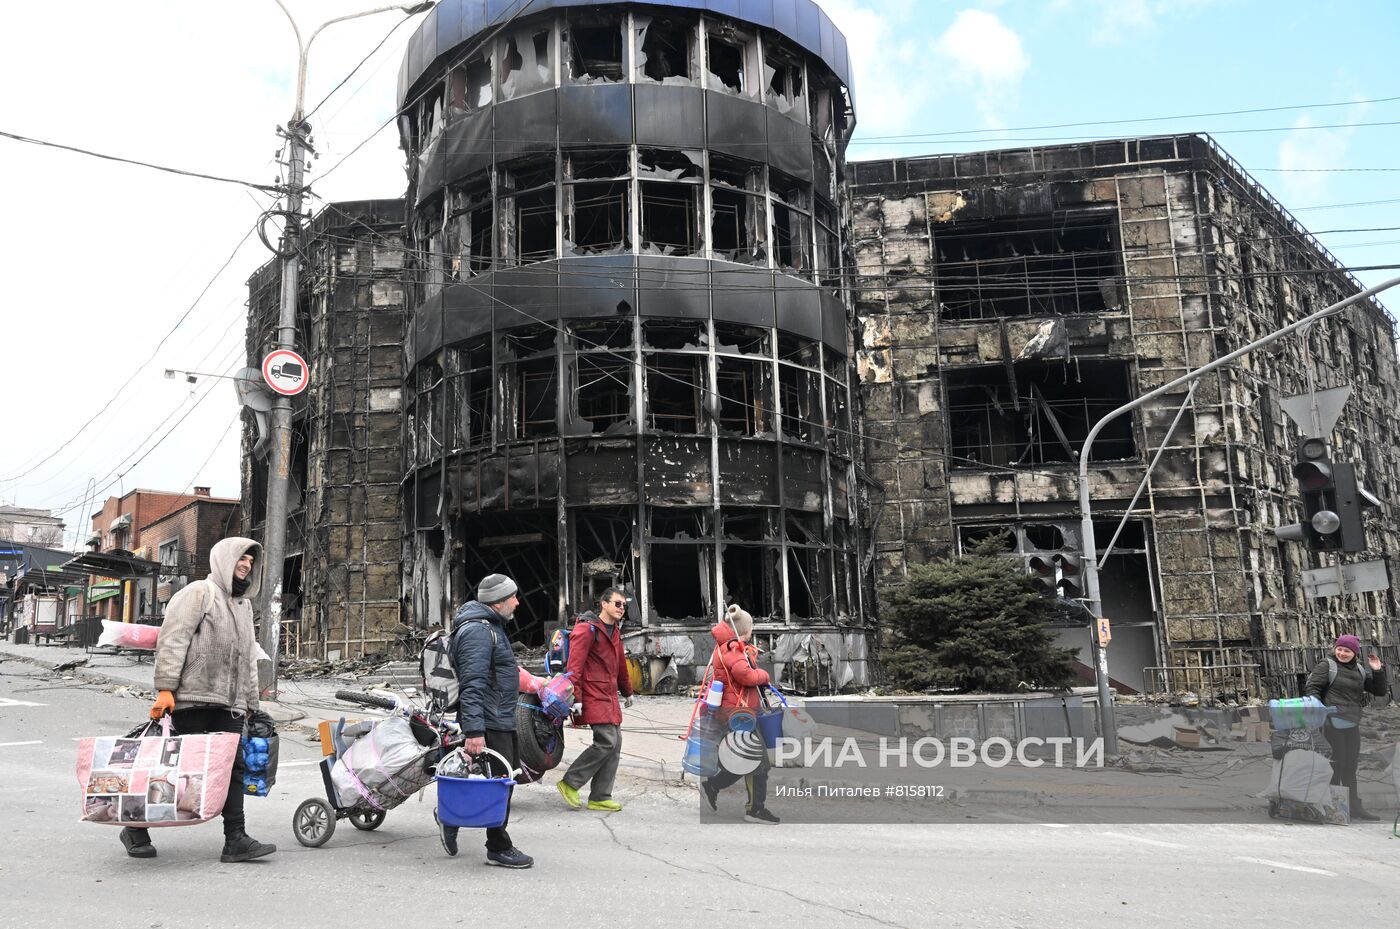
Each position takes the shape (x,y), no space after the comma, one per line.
(1343,681)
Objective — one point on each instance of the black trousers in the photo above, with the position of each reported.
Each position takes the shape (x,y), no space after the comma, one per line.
(756,784)
(497,839)
(202,720)
(1346,751)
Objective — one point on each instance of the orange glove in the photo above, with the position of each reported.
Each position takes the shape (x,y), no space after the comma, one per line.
(165,703)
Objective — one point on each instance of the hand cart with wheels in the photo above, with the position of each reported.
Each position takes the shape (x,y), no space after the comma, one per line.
(315,819)
(1296,726)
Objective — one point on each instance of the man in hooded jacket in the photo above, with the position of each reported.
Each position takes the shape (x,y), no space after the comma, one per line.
(207,676)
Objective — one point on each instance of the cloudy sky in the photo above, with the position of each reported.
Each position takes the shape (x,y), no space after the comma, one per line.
(109,266)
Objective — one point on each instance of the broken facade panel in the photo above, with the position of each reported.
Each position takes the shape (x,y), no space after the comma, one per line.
(1008,300)
(653,348)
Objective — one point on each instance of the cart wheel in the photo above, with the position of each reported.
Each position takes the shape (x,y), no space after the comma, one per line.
(367,820)
(1273,809)
(313,823)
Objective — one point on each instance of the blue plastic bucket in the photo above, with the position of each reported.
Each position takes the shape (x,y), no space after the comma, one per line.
(770,721)
(473,803)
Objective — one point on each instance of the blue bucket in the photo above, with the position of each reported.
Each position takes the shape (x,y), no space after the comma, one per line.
(770,721)
(473,803)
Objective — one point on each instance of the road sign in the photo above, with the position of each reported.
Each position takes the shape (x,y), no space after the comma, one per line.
(286,372)
(1327,404)
(1356,578)
(1105,631)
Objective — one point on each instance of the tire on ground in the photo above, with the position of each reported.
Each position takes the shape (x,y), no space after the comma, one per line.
(540,743)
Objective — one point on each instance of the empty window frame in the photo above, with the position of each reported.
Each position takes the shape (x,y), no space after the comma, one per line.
(751,578)
(470,84)
(673,335)
(432,258)
(731,54)
(784,86)
(430,395)
(734,339)
(1043,265)
(473,404)
(798,350)
(828,246)
(596,195)
(603,389)
(602,334)
(745,393)
(838,418)
(530,206)
(673,392)
(430,119)
(798,392)
(533,375)
(738,221)
(595,49)
(792,224)
(671,185)
(682,580)
(470,228)
(526,62)
(666,50)
(1041,416)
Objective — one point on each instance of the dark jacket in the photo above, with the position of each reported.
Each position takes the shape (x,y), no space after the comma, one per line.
(599,670)
(1354,681)
(486,670)
(736,667)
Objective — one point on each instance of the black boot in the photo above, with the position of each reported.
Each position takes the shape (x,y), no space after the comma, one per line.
(138,842)
(242,847)
(1358,812)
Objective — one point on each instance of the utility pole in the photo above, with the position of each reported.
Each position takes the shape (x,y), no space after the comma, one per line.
(280,456)
(1092,600)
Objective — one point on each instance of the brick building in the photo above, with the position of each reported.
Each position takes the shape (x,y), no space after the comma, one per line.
(181,540)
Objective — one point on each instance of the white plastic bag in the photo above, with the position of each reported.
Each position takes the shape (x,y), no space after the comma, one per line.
(382,769)
(1302,776)
(128,635)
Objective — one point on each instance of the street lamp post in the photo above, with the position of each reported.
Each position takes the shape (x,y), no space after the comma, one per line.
(279,465)
(1089,560)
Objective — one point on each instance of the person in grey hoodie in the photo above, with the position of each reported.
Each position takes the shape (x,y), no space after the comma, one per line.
(1343,680)
(207,676)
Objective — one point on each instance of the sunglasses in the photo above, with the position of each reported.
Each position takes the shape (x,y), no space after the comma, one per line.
(618,603)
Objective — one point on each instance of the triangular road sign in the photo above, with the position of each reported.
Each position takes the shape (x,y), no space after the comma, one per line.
(1328,405)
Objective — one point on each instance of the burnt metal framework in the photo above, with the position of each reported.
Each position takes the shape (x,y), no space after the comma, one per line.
(628,359)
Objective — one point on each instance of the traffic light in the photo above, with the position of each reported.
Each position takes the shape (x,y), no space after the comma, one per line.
(1056,574)
(1332,502)
(1068,583)
(1043,572)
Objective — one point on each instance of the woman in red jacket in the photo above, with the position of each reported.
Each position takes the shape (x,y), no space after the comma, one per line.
(735,665)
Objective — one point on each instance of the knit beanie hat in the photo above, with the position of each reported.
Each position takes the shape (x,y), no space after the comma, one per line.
(1349,641)
(739,619)
(494,588)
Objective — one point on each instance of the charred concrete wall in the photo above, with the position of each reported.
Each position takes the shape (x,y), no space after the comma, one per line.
(1007,300)
(344,540)
(629,353)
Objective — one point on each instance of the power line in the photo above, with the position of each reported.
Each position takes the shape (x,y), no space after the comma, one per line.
(357,67)
(142,365)
(267,188)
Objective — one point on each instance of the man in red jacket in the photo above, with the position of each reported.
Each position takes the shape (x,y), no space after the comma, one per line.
(598,668)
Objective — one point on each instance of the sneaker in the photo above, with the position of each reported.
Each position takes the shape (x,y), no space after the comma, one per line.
(607,806)
(244,847)
(711,795)
(448,835)
(761,815)
(510,858)
(570,796)
(138,843)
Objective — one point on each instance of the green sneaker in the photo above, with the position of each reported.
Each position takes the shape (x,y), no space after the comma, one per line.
(607,806)
(570,796)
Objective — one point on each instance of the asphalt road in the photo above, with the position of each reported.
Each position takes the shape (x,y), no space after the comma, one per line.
(651,865)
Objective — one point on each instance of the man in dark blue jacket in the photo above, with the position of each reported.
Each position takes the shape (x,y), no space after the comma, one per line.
(489,680)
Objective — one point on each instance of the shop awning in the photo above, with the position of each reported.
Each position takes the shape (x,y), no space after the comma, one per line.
(104,589)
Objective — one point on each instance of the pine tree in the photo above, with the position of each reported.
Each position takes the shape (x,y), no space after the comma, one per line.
(974,623)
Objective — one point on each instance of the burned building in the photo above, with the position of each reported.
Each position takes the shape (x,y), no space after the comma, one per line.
(1009,300)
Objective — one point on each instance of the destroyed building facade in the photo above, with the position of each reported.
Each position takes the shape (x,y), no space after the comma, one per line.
(1009,300)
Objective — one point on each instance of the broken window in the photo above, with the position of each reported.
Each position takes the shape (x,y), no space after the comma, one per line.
(738,224)
(603,390)
(681,580)
(673,334)
(595,48)
(743,396)
(525,62)
(432,257)
(666,50)
(430,114)
(838,418)
(670,197)
(783,74)
(1036,413)
(971,537)
(792,223)
(731,53)
(470,84)
(591,335)
(680,524)
(474,394)
(429,421)
(531,199)
(798,350)
(820,112)
(828,245)
(673,392)
(470,228)
(1043,265)
(595,202)
(742,340)
(751,578)
(534,380)
(801,406)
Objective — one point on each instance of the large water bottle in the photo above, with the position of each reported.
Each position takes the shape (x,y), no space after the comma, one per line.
(702,748)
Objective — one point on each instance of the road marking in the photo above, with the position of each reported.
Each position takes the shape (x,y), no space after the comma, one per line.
(1287,867)
(12,744)
(1145,841)
(6,701)
(295,764)
(1033,822)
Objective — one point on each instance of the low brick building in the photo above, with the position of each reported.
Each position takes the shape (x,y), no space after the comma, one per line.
(181,540)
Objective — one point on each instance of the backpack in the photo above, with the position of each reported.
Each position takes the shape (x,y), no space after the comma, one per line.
(437,663)
(556,659)
(1332,668)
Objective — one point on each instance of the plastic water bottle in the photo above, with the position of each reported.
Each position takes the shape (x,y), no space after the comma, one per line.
(702,748)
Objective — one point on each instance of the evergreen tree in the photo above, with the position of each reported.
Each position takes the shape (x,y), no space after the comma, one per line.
(974,623)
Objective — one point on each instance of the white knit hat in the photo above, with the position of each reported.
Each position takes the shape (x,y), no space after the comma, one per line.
(739,619)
